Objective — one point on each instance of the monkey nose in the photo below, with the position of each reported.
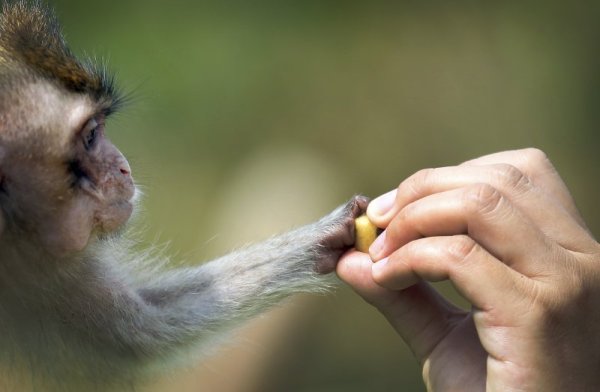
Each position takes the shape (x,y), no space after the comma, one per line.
(124,168)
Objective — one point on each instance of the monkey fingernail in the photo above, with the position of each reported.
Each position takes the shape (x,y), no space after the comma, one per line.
(366,232)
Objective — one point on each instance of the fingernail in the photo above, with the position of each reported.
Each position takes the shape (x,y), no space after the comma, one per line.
(382,204)
(378,266)
(377,245)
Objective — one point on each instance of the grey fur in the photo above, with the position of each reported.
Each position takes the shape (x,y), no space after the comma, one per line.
(105,319)
(85,313)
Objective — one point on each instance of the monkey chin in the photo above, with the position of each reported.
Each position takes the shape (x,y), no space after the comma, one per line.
(64,241)
(113,218)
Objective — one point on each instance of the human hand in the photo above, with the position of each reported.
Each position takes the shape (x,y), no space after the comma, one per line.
(505,231)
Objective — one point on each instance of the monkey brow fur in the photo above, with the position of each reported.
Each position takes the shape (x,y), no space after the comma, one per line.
(31,37)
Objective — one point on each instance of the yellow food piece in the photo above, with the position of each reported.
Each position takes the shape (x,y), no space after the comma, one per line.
(365,232)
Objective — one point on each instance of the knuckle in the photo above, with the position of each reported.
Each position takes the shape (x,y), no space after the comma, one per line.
(483,198)
(415,183)
(535,157)
(535,154)
(407,215)
(424,175)
(411,251)
(461,247)
(511,177)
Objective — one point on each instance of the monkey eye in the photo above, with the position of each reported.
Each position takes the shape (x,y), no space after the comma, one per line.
(90,133)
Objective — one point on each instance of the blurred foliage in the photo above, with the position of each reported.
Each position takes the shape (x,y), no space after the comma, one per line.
(367,93)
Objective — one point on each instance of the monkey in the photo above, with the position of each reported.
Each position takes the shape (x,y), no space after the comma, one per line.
(79,309)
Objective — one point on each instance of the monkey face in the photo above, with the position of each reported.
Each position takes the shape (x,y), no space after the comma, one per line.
(102,174)
(65,181)
(62,183)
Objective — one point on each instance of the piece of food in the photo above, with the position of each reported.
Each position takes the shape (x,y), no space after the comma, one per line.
(365,232)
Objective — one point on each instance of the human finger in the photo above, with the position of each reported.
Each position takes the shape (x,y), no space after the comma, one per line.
(481,278)
(544,210)
(536,165)
(419,314)
(480,211)
(532,163)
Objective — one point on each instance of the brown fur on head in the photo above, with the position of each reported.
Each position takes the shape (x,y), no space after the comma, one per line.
(30,37)
(32,48)
(61,179)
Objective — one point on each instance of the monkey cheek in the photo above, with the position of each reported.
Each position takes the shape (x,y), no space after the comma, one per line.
(70,237)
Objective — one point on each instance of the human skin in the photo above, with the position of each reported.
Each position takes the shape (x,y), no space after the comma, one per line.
(505,231)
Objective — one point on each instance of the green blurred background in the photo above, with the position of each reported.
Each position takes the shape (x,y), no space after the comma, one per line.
(252,117)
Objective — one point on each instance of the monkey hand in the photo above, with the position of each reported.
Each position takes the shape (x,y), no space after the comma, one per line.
(337,233)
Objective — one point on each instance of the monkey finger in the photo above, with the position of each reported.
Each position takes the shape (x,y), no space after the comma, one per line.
(484,214)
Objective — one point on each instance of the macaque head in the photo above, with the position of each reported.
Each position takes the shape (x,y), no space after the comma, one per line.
(62,181)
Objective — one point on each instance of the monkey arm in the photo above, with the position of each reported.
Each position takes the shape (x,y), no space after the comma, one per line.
(73,314)
(182,307)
